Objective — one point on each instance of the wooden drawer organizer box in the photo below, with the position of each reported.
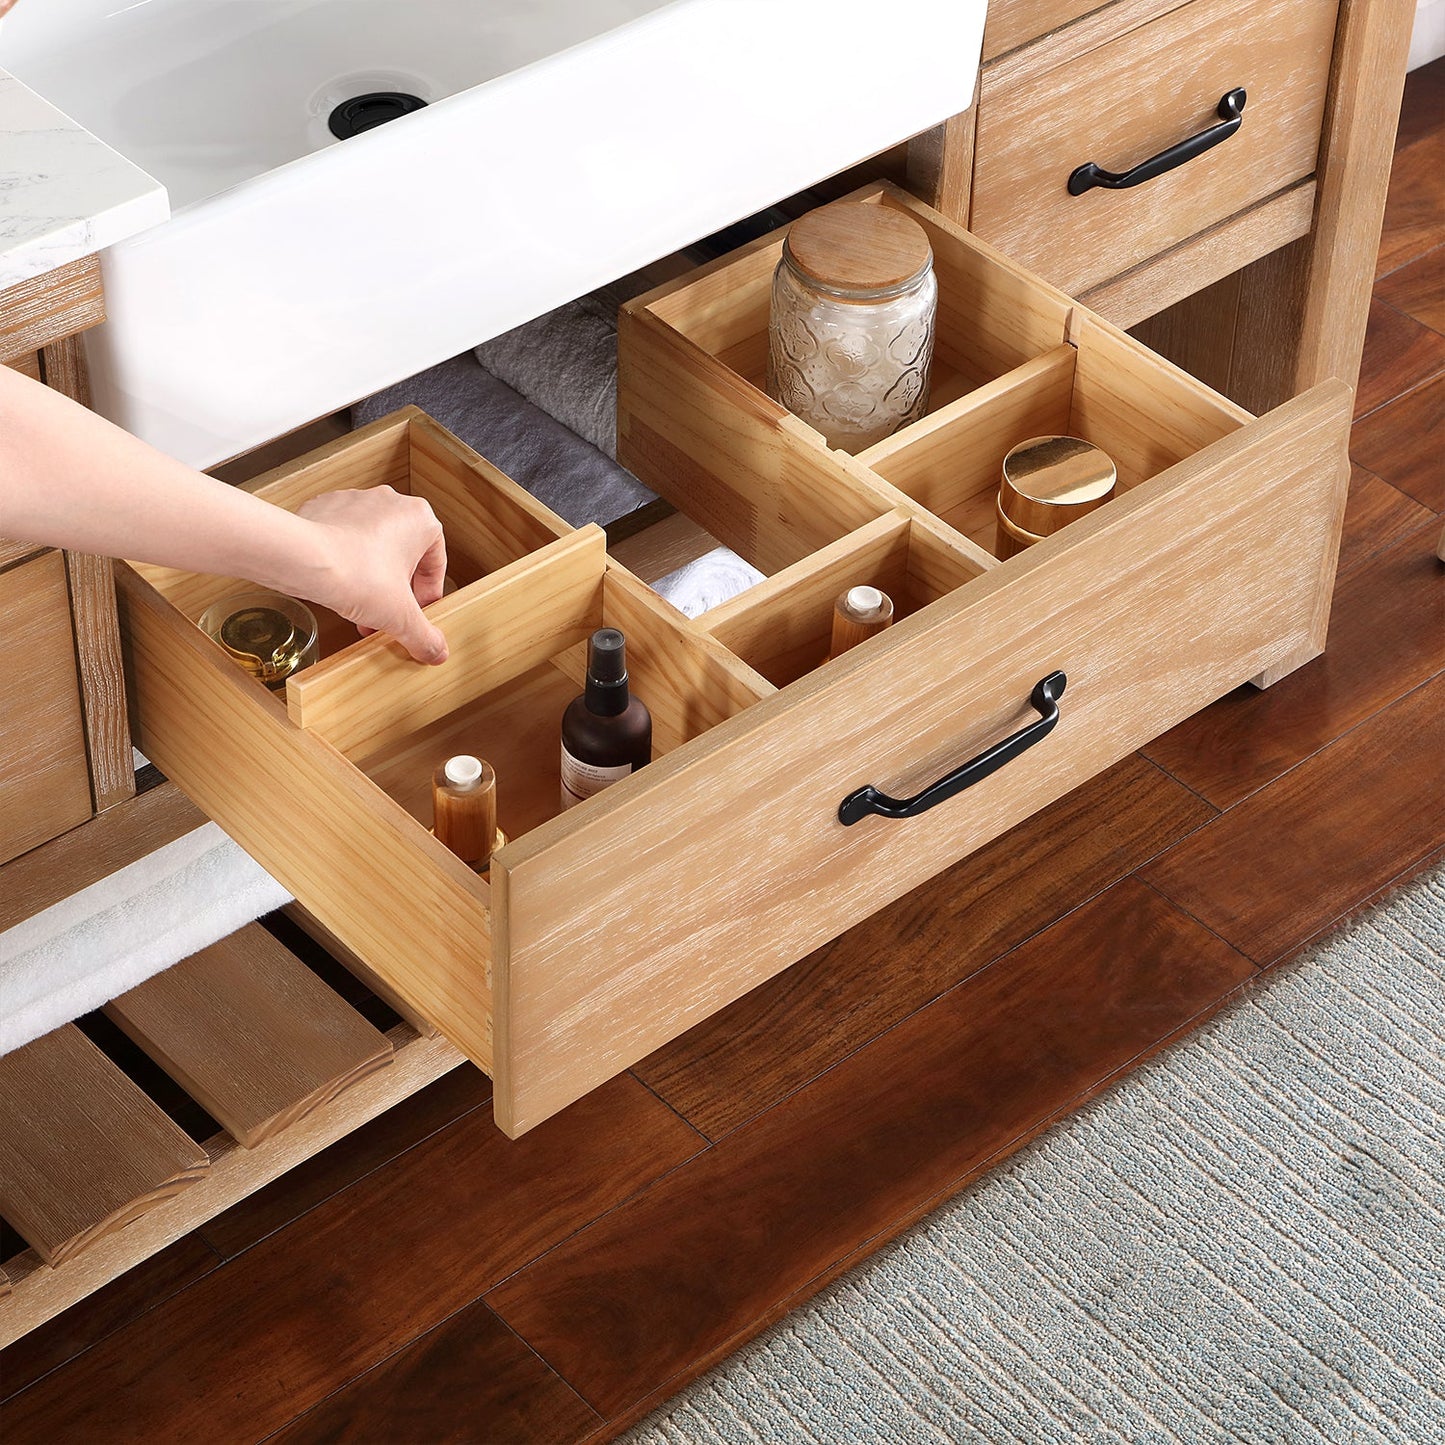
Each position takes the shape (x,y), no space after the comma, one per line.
(610,929)
(606,931)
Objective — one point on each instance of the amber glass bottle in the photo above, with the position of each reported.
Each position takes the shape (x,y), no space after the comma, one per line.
(464,810)
(606,733)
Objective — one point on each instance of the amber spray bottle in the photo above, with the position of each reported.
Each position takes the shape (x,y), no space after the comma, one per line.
(606,733)
(464,810)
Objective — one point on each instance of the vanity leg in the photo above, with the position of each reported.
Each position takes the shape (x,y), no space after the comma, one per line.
(97,633)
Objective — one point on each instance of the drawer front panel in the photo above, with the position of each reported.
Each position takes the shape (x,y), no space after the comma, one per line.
(1131,99)
(44,775)
(721,865)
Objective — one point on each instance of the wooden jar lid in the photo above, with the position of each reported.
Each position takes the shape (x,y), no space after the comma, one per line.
(855,246)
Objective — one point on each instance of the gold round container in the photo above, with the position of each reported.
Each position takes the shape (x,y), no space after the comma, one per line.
(265,633)
(1047,483)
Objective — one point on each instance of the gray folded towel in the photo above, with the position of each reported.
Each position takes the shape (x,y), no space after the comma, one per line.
(556,465)
(566,361)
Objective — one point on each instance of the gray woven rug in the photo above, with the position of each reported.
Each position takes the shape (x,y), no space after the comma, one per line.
(1242,1242)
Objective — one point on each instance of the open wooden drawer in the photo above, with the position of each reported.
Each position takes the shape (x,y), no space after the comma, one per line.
(609,929)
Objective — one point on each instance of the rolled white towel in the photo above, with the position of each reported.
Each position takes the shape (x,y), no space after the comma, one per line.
(96,944)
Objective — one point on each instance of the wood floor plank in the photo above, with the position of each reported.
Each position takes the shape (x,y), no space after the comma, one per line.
(369,1148)
(700,1256)
(251,1033)
(1414,220)
(1419,289)
(1403,443)
(1287,862)
(1377,515)
(1422,104)
(1387,636)
(124,1299)
(82,1150)
(774,1039)
(257,1343)
(1400,354)
(428,1392)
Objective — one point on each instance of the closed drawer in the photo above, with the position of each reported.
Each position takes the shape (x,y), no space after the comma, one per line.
(44,776)
(611,928)
(1130,99)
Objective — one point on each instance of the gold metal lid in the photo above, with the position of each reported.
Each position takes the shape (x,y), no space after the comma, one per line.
(1049,481)
(266,633)
(262,640)
(858,247)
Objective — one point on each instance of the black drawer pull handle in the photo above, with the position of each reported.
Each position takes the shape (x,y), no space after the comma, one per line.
(1231,113)
(1044,698)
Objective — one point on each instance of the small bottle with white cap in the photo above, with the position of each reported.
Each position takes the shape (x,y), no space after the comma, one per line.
(857,615)
(464,810)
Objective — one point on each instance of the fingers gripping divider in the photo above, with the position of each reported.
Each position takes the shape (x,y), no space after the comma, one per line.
(373,694)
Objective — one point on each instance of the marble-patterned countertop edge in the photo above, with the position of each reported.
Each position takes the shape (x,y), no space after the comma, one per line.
(64,193)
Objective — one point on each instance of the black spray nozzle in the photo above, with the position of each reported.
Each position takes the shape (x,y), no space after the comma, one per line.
(607,657)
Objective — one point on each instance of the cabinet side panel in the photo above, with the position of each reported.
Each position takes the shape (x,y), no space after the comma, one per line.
(44,780)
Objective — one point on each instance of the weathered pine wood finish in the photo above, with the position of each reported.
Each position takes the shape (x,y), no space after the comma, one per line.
(1307,254)
(50,307)
(44,788)
(1132,98)
(537,976)
(83,1152)
(250,1033)
(39,1293)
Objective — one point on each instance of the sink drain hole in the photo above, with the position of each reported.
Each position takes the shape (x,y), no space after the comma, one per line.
(366,112)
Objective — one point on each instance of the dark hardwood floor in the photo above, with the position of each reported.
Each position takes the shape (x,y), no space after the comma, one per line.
(426,1280)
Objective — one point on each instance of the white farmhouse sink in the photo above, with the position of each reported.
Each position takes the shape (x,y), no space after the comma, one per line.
(565,142)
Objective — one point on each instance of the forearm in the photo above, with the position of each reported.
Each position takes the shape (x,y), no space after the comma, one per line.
(68,478)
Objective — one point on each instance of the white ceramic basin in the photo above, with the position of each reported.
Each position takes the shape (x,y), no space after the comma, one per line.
(565,142)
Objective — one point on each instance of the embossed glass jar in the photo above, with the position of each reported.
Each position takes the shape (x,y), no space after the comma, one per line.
(850,335)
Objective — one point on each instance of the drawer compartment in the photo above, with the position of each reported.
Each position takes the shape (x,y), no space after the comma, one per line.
(1129,100)
(331,789)
(609,929)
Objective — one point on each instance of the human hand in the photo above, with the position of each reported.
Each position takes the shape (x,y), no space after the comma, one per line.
(383,559)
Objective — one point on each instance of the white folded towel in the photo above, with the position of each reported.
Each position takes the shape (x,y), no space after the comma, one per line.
(707,581)
(98,943)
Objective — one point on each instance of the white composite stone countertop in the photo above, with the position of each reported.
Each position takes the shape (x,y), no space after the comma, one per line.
(63,193)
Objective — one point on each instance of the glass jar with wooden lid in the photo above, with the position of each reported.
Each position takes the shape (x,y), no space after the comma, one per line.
(850,337)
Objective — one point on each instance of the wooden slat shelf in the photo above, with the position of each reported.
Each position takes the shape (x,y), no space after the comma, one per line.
(250,1033)
(83,1152)
(39,1293)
